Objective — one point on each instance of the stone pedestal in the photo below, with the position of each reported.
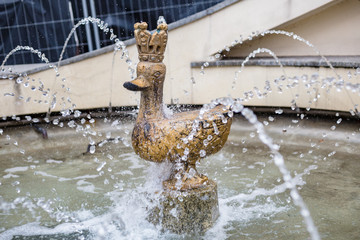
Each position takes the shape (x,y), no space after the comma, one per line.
(190,211)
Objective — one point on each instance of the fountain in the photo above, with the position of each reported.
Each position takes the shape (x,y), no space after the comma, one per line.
(161,137)
(114,194)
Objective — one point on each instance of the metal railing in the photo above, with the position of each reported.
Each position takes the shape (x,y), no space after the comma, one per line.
(45,24)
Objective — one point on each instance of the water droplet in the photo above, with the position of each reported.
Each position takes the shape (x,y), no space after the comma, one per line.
(77,113)
(15,183)
(237,107)
(71,124)
(216,130)
(186,151)
(331,154)
(92,150)
(358,71)
(100,166)
(279,111)
(19,80)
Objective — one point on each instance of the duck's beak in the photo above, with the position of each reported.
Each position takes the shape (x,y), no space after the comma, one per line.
(138,84)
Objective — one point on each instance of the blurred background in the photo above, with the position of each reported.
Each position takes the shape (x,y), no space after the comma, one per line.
(45,24)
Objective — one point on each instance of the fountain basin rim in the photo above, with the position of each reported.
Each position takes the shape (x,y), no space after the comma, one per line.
(131,112)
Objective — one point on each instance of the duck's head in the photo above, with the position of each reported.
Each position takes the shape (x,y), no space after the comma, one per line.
(149,76)
(150,70)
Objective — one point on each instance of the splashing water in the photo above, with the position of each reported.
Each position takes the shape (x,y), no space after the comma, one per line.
(253,55)
(267,86)
(339,83)
(279,161)
(288,34)
(237,107)
(119,45)
(41,56)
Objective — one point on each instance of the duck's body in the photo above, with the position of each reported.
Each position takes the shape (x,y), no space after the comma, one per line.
(181,138)
(172,138)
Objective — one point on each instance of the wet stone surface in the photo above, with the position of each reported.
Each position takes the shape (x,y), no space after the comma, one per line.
(70,236)
(191,211)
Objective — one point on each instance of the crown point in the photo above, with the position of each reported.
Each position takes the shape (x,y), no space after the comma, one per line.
(162,26)
(142,25)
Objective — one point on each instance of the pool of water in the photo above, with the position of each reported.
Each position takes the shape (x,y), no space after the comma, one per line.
(56,189)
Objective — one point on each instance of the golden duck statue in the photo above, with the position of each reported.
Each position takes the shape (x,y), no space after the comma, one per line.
(182,138)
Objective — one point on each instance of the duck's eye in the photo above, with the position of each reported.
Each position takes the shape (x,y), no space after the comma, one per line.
(157,74)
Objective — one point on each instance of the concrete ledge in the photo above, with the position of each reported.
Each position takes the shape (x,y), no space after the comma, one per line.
(308,61)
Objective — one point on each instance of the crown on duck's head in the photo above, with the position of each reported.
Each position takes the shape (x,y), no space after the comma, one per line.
(151,47)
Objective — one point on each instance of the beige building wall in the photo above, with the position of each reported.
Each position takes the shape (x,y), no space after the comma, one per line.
(309,94)
(332,31)
(96,81)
